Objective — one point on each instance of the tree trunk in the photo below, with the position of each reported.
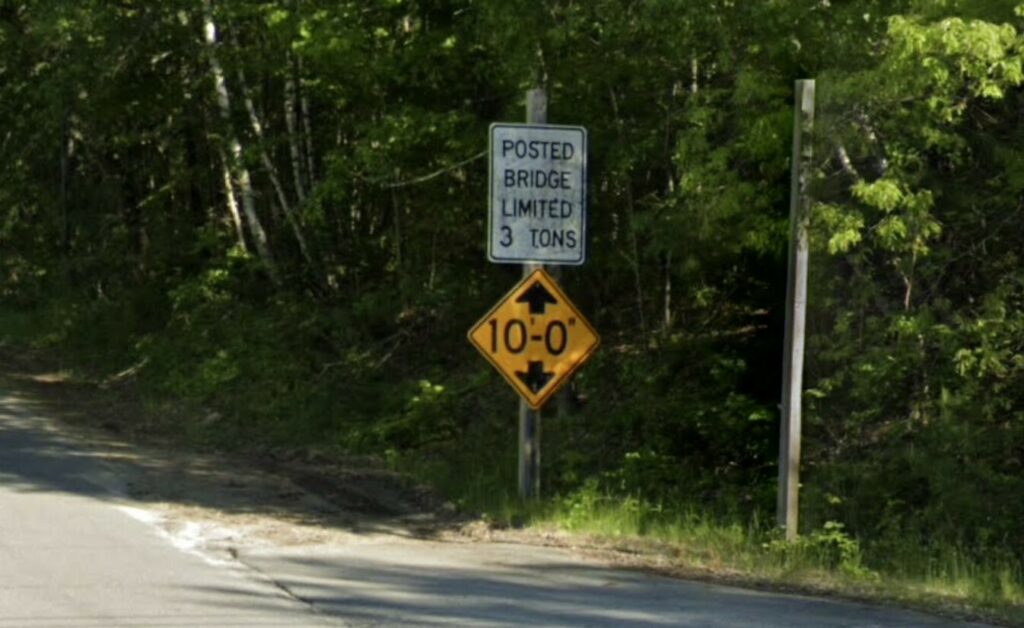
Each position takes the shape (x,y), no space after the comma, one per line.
(667,321)
(239,173)
(291,121)
(307,129)
(634,257)
(67,150)
(232,202)
(275,179)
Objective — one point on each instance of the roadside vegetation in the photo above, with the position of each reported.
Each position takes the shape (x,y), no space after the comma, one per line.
(269,218)
(749,550)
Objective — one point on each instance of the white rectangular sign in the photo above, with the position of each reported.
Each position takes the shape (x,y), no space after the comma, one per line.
(538,199)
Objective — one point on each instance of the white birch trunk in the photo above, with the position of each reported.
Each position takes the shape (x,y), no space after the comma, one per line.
(239,172)
(291,121)
(268,164)
(307,130)
(232,202)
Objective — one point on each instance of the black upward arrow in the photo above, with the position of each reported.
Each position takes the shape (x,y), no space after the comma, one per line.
(535,378)
(538,297)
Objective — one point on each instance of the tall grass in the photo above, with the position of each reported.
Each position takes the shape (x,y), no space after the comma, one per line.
(933,576)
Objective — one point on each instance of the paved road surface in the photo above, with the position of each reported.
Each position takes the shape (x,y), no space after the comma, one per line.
(75,553)
(415,583)
(71,554)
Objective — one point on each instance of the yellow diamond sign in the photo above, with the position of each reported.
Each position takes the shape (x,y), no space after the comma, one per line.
(535,337)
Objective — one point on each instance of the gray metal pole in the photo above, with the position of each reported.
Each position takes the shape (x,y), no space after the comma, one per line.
(796,311)
(529,420)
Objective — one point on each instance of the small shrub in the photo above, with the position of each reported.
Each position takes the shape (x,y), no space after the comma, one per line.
(829,548)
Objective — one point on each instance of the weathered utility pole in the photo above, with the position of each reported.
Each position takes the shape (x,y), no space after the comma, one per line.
(796,311)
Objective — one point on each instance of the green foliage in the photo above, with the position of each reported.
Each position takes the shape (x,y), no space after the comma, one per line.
(829,547)
(121,246)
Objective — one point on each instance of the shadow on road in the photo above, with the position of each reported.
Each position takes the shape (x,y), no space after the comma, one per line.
(517,586)
(35,456)
(57,435)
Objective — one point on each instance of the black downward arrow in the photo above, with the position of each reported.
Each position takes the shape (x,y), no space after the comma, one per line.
(538,297)
(535,378)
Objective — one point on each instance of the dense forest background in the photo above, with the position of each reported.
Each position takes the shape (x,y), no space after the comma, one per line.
(275,210)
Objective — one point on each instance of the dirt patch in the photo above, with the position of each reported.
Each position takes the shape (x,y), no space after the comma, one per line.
(280,497)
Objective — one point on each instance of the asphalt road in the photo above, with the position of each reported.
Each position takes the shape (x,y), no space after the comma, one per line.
(75,552)
(399,583)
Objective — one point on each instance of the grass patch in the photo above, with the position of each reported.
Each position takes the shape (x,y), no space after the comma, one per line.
(689,542)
